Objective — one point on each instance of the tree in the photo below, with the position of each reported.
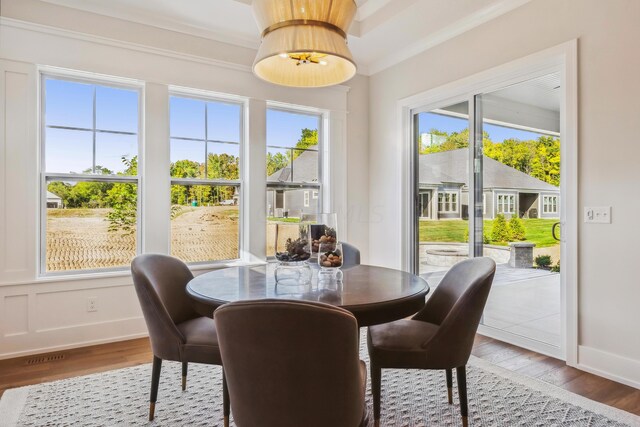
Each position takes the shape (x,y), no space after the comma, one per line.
(123,200)
(538,158)
(500,231)
(517,228)
(278,161)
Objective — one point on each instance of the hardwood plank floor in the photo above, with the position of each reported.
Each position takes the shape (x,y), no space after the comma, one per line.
(87,360)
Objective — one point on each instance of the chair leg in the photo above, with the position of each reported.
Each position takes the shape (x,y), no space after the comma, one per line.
(449,385)
(376,380)
(155,381)
(226,403)
(185,367)
(461,374)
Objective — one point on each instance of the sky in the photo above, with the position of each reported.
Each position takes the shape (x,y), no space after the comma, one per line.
(428,121)
(70,104)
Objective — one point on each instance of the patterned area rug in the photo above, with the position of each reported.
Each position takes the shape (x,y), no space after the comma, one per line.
(497,397)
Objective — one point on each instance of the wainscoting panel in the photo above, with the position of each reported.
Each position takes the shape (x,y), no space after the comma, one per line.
(15,315)
(45,316)
(18,170)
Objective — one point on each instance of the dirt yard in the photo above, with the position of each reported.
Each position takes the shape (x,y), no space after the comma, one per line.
(79,239)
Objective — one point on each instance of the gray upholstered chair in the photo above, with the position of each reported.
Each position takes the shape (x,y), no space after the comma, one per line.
(176,331)
(350,255)
(292,364)
(440,336)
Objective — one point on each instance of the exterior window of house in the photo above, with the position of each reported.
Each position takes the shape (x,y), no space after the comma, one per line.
(205,143)
(294,166)
(90,180)
(506,203)
(448,202)
(484,203)
(550,204)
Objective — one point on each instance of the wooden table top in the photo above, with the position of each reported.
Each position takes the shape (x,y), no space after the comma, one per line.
(373,294)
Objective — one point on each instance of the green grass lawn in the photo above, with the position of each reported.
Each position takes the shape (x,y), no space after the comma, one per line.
(537,231)
(276,219)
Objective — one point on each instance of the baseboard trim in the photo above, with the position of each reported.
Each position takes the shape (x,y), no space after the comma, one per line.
(78,344)
(608,365)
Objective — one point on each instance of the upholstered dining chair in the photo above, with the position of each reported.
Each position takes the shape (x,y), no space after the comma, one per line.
(350,255)
(440,336)
(176,331)
(291,364)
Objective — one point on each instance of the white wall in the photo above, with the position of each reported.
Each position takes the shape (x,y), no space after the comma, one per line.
(40,314)
(609,108)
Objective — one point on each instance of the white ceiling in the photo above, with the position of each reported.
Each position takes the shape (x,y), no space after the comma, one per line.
(384,32)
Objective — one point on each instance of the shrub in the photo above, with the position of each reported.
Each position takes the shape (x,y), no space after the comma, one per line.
(500,231)
(543,261)
(486,236)
(517,228)
(556,268)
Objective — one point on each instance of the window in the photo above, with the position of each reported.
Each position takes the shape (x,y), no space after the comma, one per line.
(484,203)
(205,178)
(448,202)
(506,203)
(90,184)
(294,167)
(550,204)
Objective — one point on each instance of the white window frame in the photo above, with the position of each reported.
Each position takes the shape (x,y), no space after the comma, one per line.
(315,194)
(306,199)
(212,182)
(45,177)
(452,195)
(548,206)
(508,201)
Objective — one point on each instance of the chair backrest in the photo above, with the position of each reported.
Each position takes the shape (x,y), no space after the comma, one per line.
(457,305)
(350,255)
(290,363)
(160,283)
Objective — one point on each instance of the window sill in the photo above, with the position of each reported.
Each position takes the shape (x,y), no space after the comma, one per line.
(95,275)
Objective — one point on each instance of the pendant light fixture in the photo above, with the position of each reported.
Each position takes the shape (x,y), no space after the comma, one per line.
(304,42)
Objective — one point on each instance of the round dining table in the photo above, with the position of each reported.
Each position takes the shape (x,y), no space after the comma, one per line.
(372,294)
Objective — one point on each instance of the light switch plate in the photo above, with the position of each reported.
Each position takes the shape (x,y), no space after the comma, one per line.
(597,215)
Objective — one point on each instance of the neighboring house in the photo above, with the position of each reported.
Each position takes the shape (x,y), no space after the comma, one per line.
(282,200)
(53,201)
(444,189)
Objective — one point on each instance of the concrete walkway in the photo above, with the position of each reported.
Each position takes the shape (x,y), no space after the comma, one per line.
(522,301)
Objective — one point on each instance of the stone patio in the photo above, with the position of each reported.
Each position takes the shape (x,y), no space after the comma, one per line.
(524,301)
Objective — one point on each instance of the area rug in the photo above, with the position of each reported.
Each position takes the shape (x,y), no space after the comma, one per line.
(497,397)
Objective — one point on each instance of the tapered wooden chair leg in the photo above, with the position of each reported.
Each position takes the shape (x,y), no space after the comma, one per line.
(376,385)
(226,402)
(185,367)
(155,381)
(461,374)
(449,374)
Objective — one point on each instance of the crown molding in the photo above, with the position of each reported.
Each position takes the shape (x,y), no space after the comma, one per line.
(106,41)
(162,22)
(457,28)
(76,35)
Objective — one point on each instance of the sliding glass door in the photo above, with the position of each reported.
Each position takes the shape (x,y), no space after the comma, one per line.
(488,184)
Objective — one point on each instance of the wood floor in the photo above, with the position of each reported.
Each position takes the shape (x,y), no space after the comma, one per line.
(23,371)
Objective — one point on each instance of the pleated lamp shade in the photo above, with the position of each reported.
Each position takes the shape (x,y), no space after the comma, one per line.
(304,42)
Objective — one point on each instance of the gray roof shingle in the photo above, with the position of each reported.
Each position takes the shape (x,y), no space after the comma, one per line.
(453,167)
(305,169)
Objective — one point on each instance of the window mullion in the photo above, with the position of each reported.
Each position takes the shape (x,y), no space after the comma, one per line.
(94,129)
